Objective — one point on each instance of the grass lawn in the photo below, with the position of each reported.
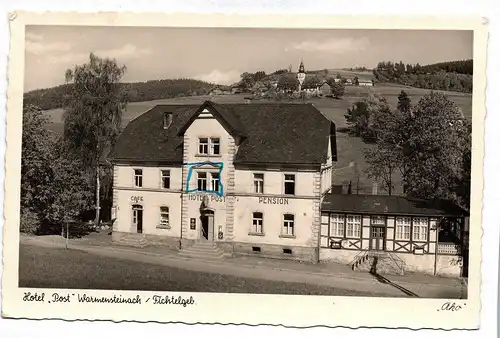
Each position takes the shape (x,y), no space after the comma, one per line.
(74,269)
(349,149)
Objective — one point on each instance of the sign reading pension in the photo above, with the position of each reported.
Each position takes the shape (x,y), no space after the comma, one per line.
(273,200)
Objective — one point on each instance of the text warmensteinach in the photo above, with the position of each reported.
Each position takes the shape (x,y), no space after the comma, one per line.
(112,300)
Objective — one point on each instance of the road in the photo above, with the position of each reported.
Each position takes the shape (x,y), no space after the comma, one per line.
(43,267)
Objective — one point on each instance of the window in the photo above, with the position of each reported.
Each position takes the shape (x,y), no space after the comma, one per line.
(209,146)
(337,225)
(289,184)
(403,228)
(165,179)
(215,181)
(215,146)
(353,226)
(202,181)
(203,146)
(258,183)
(167,120)
(164,219)
(377,220)
(288,225)
(138,177)
(257,223)
(420,225)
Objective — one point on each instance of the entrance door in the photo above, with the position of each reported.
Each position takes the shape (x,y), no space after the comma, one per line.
(377,240)
(207,226)
(137,218)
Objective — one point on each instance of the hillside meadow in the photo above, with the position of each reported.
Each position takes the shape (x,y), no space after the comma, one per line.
(349,149)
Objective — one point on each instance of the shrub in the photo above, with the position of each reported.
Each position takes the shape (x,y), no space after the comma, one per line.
(30,222)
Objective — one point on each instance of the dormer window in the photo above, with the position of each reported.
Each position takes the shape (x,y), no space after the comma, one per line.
(203,146)
(215,146)
(209,146)
(167,120)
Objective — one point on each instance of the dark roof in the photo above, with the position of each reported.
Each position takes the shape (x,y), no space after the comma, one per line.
(144,138)
(389,205)
(271,133)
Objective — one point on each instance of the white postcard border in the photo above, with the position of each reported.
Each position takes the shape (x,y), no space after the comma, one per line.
(301,311)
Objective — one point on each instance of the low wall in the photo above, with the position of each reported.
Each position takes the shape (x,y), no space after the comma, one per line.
(446,265)
(297,253)
(156,240)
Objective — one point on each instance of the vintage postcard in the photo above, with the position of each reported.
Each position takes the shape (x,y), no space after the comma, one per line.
(291,170)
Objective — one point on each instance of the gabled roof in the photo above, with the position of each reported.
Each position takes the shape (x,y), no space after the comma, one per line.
(270,133)
(225,115)
(390,205)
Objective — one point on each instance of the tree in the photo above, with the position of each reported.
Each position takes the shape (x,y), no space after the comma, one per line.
(36,172)
(381,165)
(311,82)
(288,82)
(404,102)
(93,113)
(247,79)
(438,149)
(368,116)
(355,81)
(70,188)
(259,75)
(337,89)
(430,146)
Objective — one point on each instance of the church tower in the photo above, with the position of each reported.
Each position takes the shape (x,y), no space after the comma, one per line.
(301,75)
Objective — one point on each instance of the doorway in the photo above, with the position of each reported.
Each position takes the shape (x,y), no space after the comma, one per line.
(137,218)
(207,225)
(377,240)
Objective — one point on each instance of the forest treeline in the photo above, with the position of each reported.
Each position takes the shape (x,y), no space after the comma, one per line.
(54,97)
(453,76)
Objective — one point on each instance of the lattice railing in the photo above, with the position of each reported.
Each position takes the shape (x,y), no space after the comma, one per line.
(448,249)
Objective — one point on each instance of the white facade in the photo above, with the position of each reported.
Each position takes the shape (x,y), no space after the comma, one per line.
(272,209)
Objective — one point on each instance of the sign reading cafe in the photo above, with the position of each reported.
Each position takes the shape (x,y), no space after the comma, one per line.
(136,199)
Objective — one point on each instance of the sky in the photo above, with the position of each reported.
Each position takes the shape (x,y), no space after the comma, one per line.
(220,55)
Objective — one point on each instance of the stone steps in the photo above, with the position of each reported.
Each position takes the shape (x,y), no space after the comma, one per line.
(135,240)
(385,264)
(203,250)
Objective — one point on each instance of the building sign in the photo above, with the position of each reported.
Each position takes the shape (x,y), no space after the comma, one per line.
(212,198)
(192,224)
(335,244)
(136,199)
(273,200)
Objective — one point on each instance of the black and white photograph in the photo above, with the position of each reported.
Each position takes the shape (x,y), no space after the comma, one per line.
(188,161)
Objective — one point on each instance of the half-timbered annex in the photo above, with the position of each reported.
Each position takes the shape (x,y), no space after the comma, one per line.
(413,235)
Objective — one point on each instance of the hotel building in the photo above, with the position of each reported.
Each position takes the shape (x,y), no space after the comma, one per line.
(255,179)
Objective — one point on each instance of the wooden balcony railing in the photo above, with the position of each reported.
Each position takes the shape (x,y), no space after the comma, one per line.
(448,249)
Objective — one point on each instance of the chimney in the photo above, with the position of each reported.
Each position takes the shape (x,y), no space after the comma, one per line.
(375,189)
(167,120)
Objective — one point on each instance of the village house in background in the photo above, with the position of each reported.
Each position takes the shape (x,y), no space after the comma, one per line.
(259,179)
